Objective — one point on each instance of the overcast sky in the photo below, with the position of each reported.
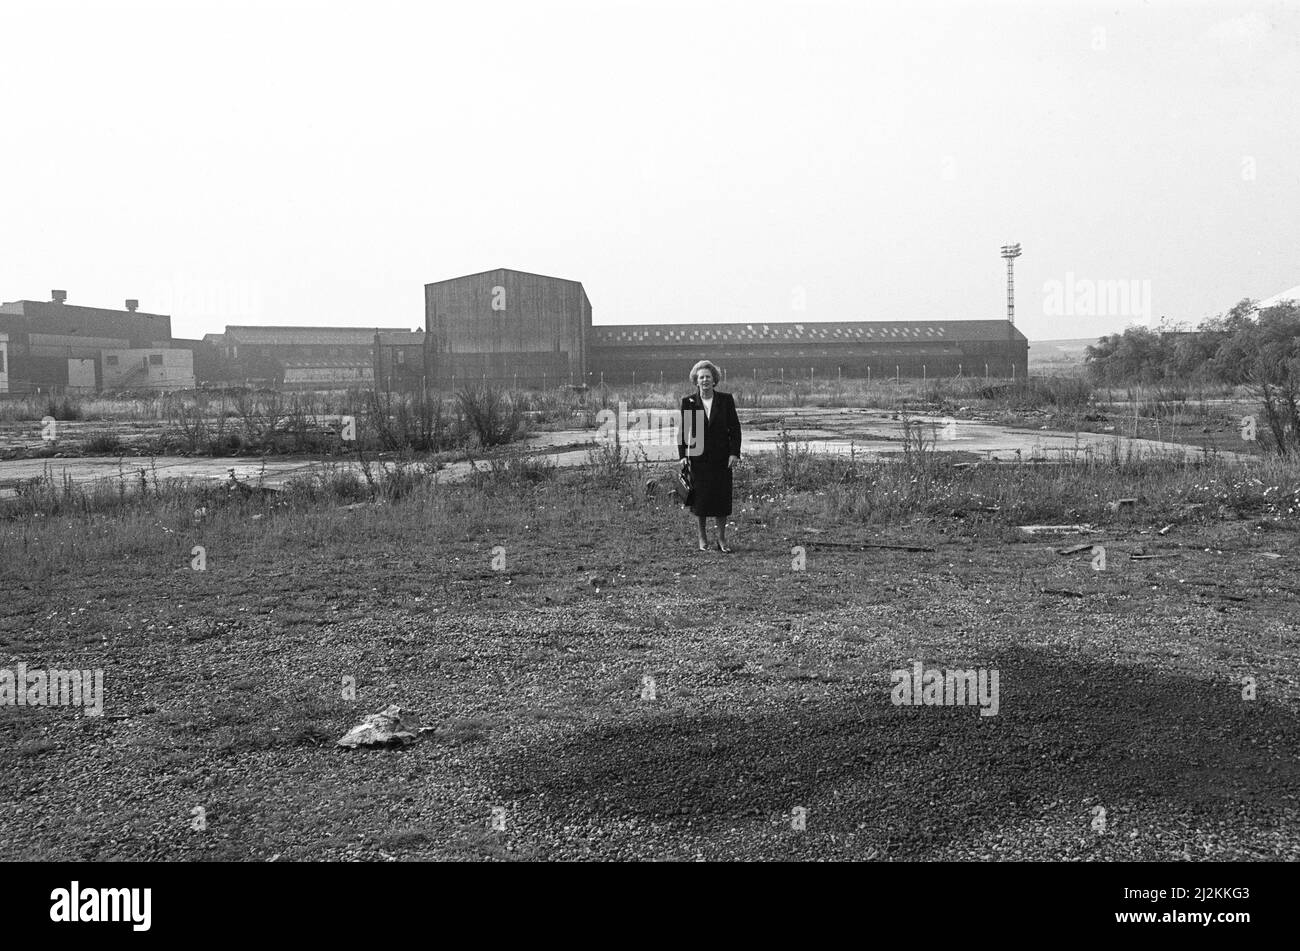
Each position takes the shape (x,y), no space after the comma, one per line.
(318,163)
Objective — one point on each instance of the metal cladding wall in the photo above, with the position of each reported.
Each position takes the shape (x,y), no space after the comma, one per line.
(400,361)
(649,353)
(508,326)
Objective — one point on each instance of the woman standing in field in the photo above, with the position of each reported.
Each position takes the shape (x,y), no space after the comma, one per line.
(711,430)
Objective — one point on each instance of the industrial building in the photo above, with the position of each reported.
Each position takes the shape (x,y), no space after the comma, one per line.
(513,328)
(401,360)
(801,351)
(508,326)
(524,329)
(154,368)
(296,357)
(56,347)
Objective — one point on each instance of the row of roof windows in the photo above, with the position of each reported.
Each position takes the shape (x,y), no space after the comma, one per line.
(798,332)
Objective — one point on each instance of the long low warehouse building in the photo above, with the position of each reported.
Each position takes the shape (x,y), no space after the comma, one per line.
(799,351)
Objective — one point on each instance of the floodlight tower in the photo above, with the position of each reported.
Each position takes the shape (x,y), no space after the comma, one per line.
(1011,252)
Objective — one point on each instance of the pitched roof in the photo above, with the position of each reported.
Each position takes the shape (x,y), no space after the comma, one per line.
(549,277)
(822,332)
(304,336)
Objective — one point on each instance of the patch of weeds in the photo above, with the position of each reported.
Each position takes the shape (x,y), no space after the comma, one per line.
(35,747)
(293,617)
(473,842)
(538,714)
(445,656)
(179,724)
(313,734)
(103,444)
(213,627)
(176,758)
(461,732)
(406,839)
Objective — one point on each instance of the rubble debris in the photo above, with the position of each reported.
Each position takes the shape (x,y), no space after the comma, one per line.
(390,727)
(1081,529)
(861,546)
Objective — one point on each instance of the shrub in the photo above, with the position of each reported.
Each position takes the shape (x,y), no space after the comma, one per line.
(63,408)
(103,444)
(491,414)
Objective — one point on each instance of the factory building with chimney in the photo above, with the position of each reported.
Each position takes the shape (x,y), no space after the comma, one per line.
(511,328)
(57,347)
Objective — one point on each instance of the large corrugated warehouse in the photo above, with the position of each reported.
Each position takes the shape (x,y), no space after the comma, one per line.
(529,330)
(508,326)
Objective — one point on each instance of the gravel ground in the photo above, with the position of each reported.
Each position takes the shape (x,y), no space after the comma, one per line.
(1122,732)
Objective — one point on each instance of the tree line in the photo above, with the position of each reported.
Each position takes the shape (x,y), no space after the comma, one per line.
(1259,349)
(1242,346)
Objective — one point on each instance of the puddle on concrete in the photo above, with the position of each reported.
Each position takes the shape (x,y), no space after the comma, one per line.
(870,433)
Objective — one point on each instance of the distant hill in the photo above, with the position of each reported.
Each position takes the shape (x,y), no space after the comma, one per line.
(1059,351)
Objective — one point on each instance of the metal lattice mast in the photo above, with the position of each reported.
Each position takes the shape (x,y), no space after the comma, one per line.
(1011,252)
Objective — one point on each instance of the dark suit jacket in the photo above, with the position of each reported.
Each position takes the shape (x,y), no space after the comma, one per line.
(721,435)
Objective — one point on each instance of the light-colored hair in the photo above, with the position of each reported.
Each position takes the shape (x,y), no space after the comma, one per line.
(706,365)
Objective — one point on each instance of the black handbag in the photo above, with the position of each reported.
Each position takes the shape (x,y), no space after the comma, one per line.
(682,484)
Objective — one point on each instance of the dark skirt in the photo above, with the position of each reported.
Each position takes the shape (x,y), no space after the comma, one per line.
(712,483)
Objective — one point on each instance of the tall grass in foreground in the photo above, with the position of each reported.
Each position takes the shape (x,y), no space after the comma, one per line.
(1060,392)
(243,422)
(1078,487)
(62,528)
(54,524)
(565,406)
(138,489)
